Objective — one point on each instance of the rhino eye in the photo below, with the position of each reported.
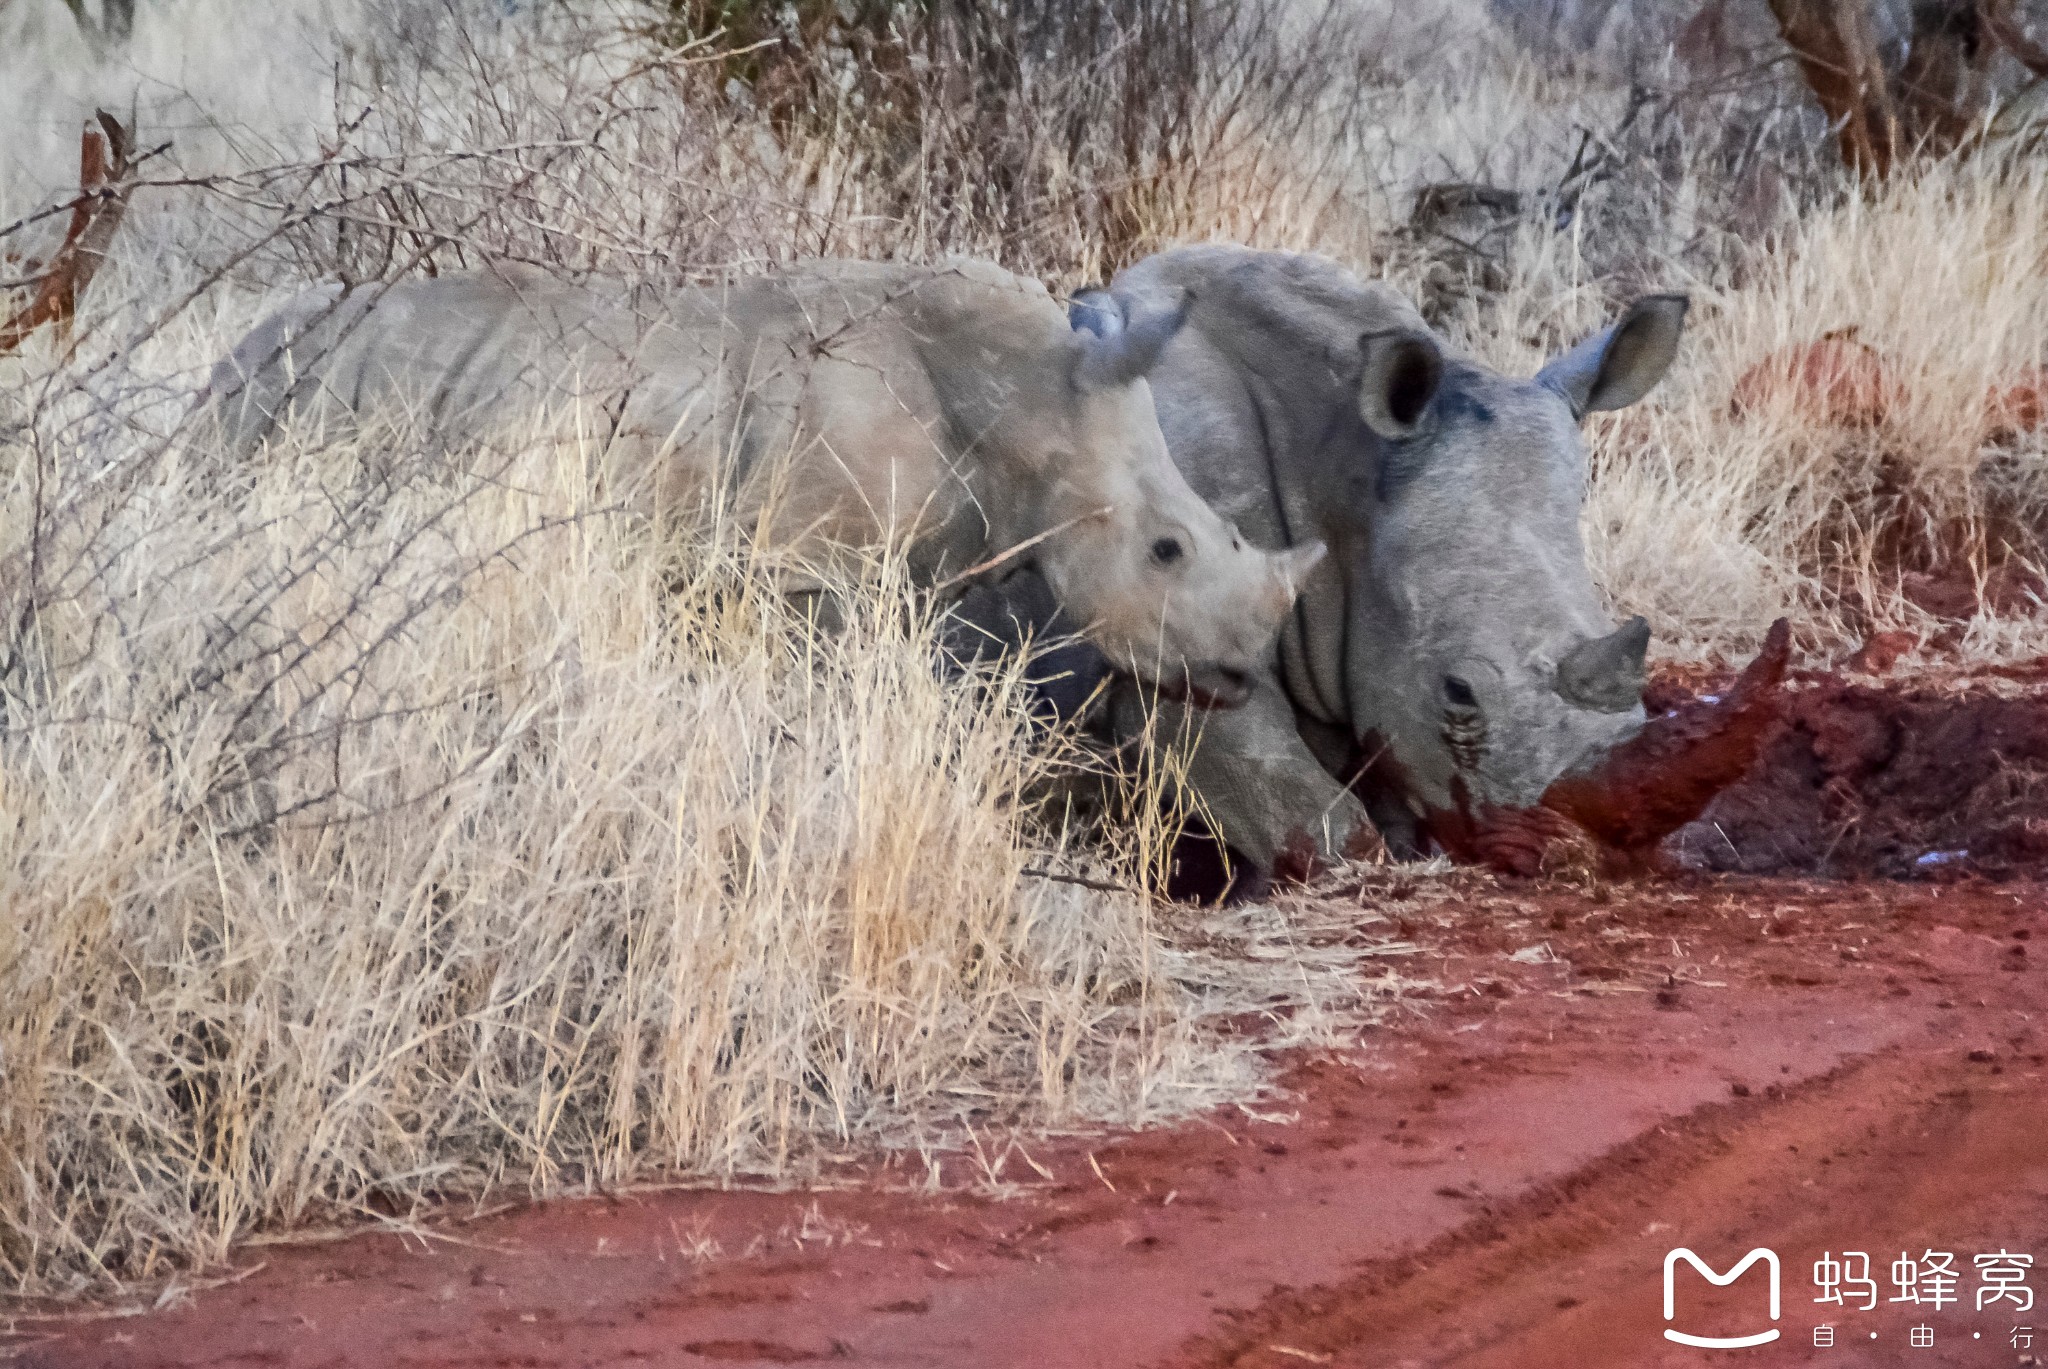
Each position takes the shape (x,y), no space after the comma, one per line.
(1166,551)
(1458,693)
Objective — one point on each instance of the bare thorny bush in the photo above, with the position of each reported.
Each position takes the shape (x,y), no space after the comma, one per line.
(1061,140)
(383,827)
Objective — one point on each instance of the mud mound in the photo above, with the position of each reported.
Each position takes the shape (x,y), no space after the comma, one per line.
(1856,777)
(1866,779)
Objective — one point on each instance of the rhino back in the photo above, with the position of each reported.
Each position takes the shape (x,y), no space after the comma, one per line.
(881,392)
(459,355)
(901,381)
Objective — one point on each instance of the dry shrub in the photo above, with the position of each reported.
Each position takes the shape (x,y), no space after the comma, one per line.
(1062,140)
(1938,97)
(385,829)
(95,217)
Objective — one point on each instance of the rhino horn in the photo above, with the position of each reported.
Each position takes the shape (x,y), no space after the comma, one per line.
(1606,673)
(1664,776)
(1117,349)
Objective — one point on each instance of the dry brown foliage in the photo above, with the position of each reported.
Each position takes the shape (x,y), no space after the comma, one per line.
(381,828)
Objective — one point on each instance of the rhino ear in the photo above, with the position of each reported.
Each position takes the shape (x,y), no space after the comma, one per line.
(1615,368)
(1403,368)
(1118,353)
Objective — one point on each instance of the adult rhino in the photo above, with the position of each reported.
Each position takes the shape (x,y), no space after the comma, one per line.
(1451,659)
(846,403)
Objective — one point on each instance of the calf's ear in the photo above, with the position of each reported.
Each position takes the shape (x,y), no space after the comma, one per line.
(1615,368)
(1402,370)
(1097,312)
(1118,349)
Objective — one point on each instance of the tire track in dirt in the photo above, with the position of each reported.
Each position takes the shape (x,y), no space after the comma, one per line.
(1917,1149)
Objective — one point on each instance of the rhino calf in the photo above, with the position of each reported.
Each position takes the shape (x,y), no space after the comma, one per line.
(952,407)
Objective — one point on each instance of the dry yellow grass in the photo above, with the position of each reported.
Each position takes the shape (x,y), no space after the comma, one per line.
(379,831)
(1713,522)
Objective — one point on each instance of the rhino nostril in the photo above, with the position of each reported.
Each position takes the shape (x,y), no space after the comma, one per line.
(1234,678)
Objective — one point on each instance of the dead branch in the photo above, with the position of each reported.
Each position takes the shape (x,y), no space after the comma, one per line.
(1944,85)
(103,165)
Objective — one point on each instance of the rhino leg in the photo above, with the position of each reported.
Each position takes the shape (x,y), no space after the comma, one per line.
(1266,796)
(1385,800)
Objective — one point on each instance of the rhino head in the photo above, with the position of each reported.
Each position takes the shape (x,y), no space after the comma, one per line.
(1166,587)
(1480,661)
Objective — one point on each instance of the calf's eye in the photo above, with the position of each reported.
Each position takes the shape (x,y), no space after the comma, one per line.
(1166,551)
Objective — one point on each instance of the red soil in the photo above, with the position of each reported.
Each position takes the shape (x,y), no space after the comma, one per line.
(1838,380)
(1831,775)
(1834,379)
(1915,780)
(2020,406)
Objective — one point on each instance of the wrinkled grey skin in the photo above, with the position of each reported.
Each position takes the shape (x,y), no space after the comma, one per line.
(1453,636)
(847,403)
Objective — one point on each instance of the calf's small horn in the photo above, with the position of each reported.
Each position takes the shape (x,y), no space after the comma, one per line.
(1295,563)
(1607,673)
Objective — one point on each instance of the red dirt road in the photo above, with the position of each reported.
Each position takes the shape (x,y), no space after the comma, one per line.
(1717,1062)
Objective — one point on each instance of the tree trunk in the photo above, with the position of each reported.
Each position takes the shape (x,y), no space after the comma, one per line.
(1940,93)
(1837,54)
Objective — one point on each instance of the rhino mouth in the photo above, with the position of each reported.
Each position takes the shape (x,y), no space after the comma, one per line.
(1212,687)
(1612,815)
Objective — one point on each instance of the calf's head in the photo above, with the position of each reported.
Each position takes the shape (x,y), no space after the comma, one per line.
(1166,587)
(1480,662)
